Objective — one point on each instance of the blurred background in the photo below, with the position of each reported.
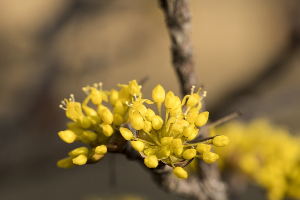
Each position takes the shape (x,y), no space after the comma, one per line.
(247,56)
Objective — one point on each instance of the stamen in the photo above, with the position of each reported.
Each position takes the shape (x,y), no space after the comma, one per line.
(192,90)
(72,98)
(100,86)
(62,107)
(85,90)
(135,97)
(127,103)
(96,85)
(204,95)
(63,103)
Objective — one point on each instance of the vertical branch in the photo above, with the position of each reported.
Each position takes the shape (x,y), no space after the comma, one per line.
(178,21)
(206,184)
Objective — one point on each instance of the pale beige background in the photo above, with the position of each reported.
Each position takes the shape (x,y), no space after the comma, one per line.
(49,49)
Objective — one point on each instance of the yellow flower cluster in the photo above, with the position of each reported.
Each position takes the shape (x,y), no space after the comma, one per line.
(167,140)
(95,126)
(266,153)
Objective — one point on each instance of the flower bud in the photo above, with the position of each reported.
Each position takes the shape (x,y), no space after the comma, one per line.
(193,100)
(201,148)
(100,108)
(65,163)
(176,110)
(194,134)
(157,122)
(188,131)
(158,94)
(67,136)
(150,114)
(151,161)
(170,101)
(149,151)
(101,150)
(177,128)
(106,116)
(96,96)
(113,97)
(79,151)
(189,154)
(73,110)
(85,122)
(95,120)
(91,136)
(176,143)
(192,115)
(137,121)
(133,88)
(220,141)
(119,108)
(209,157)
(180,172)
(148,127)
(165,151)
(138,145)
(202,119)
(107,130)
(118,119)
(124,94)
(166,140)
(141,108)
(126,133)
(89,111)
(80,160)
(178,151)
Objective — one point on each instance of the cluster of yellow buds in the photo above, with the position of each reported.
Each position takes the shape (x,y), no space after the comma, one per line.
(266,153)
(168,140)
(94,126)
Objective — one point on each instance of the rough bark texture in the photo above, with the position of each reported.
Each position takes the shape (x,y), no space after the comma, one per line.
(178,21)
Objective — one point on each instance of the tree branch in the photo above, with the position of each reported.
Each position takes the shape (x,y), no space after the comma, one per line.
(178,21)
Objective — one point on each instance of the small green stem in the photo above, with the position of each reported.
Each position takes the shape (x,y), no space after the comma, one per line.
(153,138)
(138,139)
(159,108)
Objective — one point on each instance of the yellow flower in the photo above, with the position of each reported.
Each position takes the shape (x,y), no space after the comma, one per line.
(151,161)
(168,140)
(158,94)
(101,150)
(180,172)
(94,123)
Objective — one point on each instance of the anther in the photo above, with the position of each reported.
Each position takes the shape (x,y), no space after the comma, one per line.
(192,90)
(96,85)
(62,107)
(85,90)
(72,97)
(135,98)
(204,95)
(100,86)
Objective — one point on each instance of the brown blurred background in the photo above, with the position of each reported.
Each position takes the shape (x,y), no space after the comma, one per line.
(246,55)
